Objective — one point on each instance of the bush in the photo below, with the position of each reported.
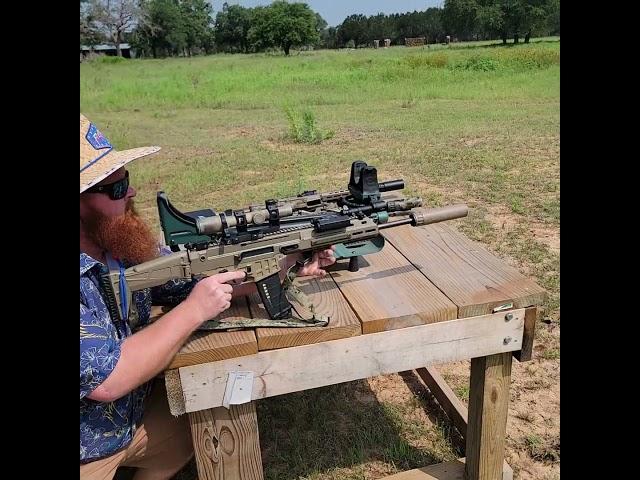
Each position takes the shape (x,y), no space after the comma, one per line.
(480,64)
(532,58)
(435,60)
(100,58)
(514,58)
(108,59)
(303,129)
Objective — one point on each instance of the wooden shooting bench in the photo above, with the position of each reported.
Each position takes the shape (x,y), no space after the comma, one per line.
(430,296)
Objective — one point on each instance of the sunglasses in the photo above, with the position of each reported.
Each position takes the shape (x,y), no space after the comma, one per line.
(115,190)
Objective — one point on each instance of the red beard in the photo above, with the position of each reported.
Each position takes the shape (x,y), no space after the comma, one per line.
(127,237)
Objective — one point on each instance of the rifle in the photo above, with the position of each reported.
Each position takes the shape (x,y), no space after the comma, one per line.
(255,239)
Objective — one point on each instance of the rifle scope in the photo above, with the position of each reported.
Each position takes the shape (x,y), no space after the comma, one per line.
(220,222)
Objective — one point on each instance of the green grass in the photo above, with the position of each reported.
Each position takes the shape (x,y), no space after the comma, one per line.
(260,81)
(551,354)
(480,132)
(462,392)
(474,123)
(543,449)
(333,430)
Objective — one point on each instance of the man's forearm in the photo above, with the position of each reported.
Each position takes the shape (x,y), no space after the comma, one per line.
(147,353)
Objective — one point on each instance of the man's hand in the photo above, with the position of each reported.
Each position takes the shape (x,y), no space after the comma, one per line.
(320,259)
(212,295)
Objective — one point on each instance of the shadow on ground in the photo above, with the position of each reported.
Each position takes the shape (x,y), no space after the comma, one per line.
(341,426)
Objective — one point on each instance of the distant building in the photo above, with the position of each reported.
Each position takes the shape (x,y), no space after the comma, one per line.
(415,42)
(107,49)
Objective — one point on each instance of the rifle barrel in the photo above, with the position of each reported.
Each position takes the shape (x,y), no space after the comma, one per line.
(421,216)
(391,185)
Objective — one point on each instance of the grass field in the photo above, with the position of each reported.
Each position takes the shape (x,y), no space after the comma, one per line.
(475,123)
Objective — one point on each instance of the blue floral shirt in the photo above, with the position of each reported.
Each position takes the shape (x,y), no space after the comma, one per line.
(106,428)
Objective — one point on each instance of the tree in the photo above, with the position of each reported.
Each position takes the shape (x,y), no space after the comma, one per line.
(459,18)
(321,23)
(536,13)
(321,29)
(552,22)
(513,17)
(161,28)
(466,19)
(377,27)
(232,27)
(328,38)
(114,18)
(432,22)
(354,27)
(283,25)
(513,14)
(490,20)
(89,34)
(196,18)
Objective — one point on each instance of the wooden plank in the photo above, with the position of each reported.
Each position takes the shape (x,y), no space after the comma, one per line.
(277,372)
(450,403)
(488,405)
(473,278)
(326,299)
(453,470)
(389,293)
(226,443)
(530,317)
(210,346)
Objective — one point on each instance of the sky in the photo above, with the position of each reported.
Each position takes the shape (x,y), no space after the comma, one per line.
(335,11)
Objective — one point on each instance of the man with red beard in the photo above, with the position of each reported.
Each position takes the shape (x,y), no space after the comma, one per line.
(124,417)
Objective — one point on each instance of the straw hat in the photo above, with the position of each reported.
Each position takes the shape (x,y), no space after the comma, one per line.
(98,159)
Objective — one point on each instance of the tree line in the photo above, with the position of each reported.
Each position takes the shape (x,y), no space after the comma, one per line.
(158,28)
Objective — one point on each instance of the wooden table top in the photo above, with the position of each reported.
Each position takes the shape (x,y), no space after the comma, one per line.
(423,275)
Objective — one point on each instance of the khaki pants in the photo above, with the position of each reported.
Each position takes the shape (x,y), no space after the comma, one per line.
(161,446)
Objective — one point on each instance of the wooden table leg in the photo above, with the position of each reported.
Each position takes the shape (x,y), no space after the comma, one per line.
(488,403)
(226,443)
(526,354)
